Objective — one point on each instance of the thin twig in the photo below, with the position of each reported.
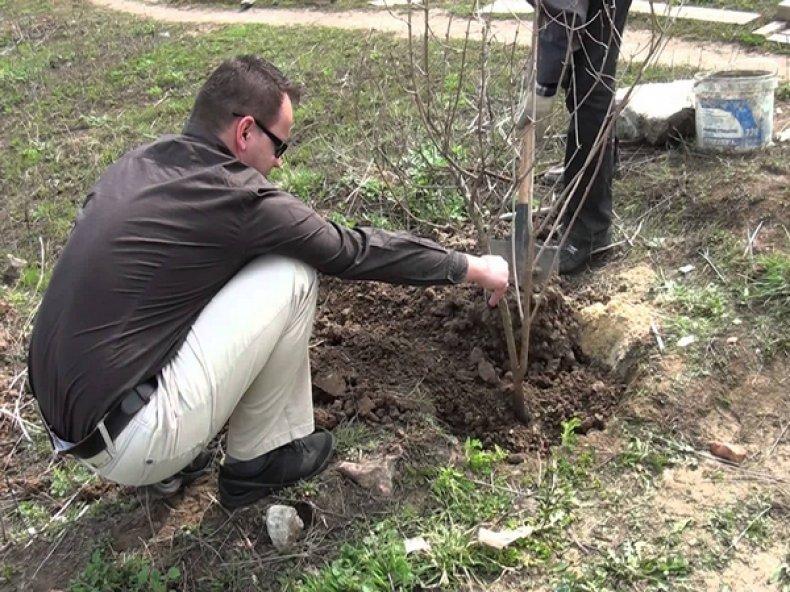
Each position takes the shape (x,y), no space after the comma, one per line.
(705,256)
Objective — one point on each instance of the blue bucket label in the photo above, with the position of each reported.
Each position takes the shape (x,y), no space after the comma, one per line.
(730,122)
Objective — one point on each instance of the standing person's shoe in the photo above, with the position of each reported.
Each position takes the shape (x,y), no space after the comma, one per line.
(193,471)
(241,485)
(577,251)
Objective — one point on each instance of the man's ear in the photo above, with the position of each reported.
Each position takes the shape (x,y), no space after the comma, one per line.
(242,133)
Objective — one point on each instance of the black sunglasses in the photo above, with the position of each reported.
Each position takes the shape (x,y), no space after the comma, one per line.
(279,146)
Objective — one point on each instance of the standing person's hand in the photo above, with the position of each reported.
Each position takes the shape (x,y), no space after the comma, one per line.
(489,272)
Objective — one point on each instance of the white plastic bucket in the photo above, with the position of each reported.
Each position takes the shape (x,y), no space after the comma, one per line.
(734,110)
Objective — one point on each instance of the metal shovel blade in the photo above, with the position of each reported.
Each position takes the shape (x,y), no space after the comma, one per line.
(544,266)
(517,245)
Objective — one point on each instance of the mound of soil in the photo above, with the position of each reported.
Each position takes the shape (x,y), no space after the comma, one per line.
(383,352)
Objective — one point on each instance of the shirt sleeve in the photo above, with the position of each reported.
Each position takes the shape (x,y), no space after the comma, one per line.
(282,224)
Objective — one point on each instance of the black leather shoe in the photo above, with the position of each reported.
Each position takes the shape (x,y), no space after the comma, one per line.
(577,251)
(193,471)
(301,459)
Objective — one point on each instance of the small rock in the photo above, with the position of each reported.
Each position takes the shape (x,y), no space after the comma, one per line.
(503,538)
(516,458)
(732,340)
(365,406)
(325,419)
(429,294)
(731,452)
(13,269)
(283,525)
(568,360)
(686,269)
(331,383)
(416,545)
(487,372)
(686,340)
(374,475)
(476,355)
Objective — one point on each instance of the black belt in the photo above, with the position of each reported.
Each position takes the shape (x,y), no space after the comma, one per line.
(116,419)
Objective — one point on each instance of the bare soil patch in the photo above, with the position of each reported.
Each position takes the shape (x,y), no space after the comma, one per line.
(384,352)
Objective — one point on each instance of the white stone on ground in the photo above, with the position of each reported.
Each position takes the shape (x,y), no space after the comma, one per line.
(283,525)
(657,112)
(508,7)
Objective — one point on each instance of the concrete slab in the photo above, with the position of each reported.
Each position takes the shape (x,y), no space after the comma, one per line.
(783,37)
(770,28)
(388,3)
(508,7)
(695,13)
(713,15)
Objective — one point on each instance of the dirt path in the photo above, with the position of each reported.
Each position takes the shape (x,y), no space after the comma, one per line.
(707,55)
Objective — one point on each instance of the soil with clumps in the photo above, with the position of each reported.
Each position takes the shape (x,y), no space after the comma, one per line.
(382,353)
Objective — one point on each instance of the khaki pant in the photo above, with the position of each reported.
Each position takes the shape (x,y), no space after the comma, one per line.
(245,361)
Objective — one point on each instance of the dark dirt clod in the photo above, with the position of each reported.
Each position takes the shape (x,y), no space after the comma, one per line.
(442,350)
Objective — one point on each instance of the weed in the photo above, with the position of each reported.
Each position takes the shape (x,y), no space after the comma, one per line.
(379,562)
(342,219)
(748,521)
(781,575)
(34,515)
(67,477)
(301,181)
(643,455)
(479,460)
(469,502)
(131,574)
(630,566)
(700,310)
(6,573)
(569,437)
(770,285)
(355,437)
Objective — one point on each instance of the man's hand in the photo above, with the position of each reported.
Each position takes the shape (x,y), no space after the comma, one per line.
(489,272)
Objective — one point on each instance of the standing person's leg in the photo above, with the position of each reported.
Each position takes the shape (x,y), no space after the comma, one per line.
(245,358)
(590,92)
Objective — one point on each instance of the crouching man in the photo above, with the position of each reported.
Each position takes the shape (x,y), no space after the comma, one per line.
(184,300)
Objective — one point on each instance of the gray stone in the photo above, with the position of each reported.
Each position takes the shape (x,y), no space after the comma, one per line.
(375,475)
(657,112)
(331,383)
(487,372)
(283,525)
(783,10)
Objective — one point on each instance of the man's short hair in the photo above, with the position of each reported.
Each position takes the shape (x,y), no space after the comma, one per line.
(246,84)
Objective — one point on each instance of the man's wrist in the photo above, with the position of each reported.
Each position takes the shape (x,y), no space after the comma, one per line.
(474,268)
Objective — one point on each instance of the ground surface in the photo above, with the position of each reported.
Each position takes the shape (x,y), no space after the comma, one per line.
(613,477)
(714,54)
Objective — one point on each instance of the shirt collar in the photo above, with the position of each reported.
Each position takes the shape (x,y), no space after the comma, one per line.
(194,130)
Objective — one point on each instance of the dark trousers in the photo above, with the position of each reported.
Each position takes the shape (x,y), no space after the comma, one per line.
(590,88)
